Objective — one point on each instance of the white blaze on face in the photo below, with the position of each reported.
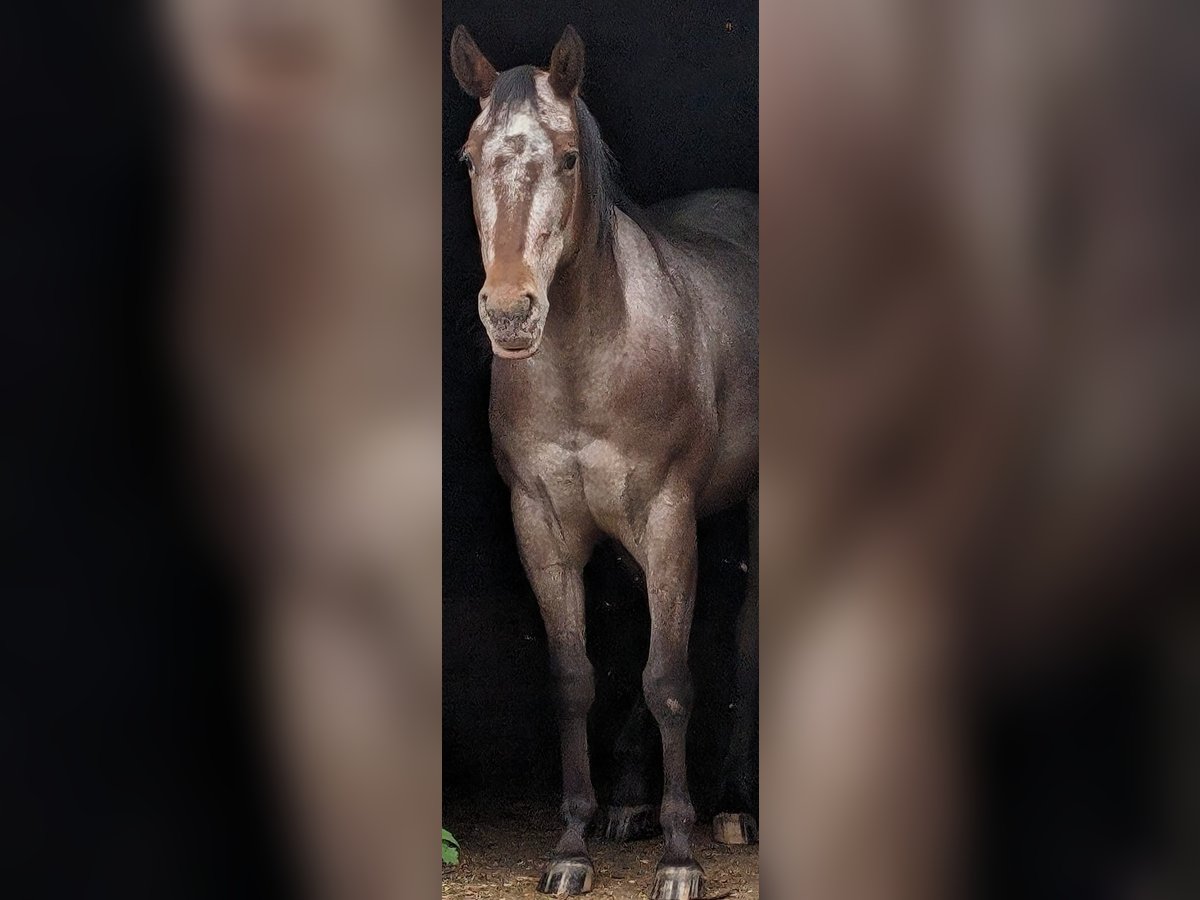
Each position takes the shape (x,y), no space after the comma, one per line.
(518,178)
(543,231)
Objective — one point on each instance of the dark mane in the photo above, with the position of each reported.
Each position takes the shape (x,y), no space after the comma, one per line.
(597,166)
(513,88)
(598,169)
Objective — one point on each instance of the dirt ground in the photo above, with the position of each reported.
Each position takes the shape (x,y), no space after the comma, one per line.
(503,851)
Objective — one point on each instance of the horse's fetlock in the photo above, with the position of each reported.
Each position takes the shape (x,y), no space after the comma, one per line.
(578,810)
(677,812)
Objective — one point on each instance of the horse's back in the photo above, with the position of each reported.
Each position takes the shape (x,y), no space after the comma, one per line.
(724,214)
(713,234)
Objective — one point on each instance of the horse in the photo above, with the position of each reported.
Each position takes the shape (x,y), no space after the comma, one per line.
(624,399)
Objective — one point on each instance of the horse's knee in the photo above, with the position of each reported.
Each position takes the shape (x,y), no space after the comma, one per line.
(668,690)
(576,688)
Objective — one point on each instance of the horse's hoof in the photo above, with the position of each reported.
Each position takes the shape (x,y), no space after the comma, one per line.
(566,876)
(631,823)
(735,828)
(684,882)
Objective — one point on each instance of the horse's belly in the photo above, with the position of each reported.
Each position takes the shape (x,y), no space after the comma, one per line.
(735,466)
(733,477)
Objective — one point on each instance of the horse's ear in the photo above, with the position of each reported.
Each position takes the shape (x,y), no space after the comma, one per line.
(475,74)
(566,64)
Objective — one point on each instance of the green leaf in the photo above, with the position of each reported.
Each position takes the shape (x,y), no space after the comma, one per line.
(450,848)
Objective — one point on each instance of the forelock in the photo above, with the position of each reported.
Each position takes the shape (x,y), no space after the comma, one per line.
(513,89)
(525,90)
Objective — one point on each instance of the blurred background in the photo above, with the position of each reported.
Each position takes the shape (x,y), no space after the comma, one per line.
(979,398)
(979,434)
(127,763)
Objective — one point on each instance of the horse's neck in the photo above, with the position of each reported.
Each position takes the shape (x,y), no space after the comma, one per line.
(587,302)
(589,299)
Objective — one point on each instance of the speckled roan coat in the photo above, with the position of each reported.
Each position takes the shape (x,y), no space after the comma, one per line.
(624,397)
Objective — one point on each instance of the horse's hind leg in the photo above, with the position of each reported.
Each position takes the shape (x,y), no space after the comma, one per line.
(554,559)
(670,563)
(735,824)
(631,813)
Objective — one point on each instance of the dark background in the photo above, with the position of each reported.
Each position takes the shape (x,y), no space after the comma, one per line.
(674,88)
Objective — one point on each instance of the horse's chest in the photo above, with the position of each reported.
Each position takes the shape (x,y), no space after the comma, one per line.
(596,483)
(611,485)
(592,465)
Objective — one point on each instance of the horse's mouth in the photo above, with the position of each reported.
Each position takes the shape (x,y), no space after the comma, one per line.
(521,347)
(526,353)
(514,353)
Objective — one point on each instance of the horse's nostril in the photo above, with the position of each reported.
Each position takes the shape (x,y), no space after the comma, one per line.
(483,296)
(529,300)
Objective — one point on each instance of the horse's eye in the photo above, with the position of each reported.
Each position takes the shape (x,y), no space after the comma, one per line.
(465,158)
(569,159)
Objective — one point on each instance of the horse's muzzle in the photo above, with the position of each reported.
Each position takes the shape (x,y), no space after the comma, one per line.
(512,330)
(514,335)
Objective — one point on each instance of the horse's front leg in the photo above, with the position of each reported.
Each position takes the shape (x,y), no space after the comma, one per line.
(554,554)
(669,551)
